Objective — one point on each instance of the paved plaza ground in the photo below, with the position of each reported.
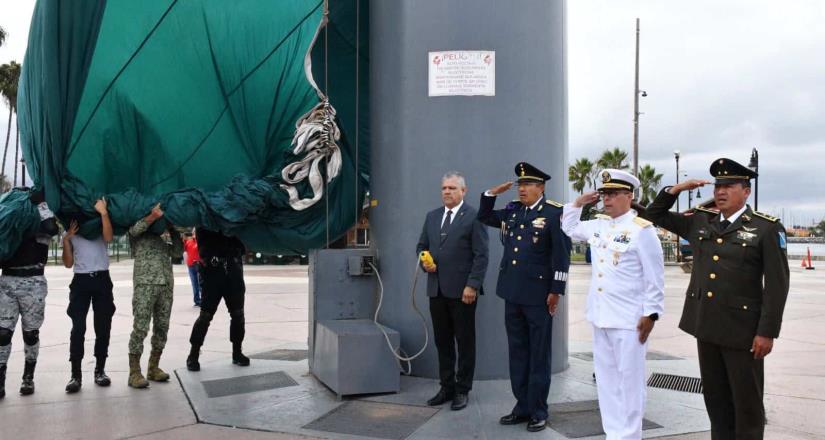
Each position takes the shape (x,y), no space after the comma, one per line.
(276,310)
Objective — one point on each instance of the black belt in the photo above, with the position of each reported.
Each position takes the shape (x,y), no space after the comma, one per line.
(22,272)
(99,273)
(222,261)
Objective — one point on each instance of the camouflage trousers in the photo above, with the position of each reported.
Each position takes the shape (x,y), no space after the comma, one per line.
(23,297)
(151,302)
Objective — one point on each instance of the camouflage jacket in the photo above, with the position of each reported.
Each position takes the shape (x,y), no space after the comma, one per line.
(153,254)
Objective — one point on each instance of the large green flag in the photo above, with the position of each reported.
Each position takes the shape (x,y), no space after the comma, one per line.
(217,110)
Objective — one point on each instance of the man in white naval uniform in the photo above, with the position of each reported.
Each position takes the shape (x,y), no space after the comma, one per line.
(625,299)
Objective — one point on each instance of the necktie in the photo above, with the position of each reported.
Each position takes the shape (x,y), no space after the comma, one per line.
(446,224)
(724,224)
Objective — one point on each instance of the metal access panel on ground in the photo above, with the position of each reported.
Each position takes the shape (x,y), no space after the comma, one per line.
(352,357)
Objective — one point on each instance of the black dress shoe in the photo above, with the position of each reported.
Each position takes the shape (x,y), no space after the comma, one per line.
(74,385)
(459,401)
(192,363)
(101,379)
(512,419)
(536,425)
(443,396)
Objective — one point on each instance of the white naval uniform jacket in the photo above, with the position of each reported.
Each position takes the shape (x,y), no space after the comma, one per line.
(628,267)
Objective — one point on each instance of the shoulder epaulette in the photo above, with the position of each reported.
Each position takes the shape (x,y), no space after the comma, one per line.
(705,210)
(602,216)
(554,203)
(767,217)
(642,222)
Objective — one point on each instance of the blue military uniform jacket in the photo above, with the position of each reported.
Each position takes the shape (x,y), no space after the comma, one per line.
(536,252)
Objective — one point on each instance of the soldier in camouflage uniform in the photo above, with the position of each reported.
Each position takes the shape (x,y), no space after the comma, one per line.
(23,293)
(152,301)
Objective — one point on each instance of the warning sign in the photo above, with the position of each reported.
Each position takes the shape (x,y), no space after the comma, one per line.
(462,73)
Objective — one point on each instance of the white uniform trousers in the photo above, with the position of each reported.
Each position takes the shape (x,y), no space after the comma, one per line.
(619,361)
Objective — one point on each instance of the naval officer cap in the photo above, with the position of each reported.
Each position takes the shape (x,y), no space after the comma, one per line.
(527,173)
(729,171)
(612,179)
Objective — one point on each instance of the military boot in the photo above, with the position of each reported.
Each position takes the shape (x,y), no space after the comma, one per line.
(76,380)
(27,387)
(192,363)
(154,372)
(136,379)
(2,381)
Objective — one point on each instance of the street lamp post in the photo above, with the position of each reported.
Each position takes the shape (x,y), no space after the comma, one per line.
(23,170)
(678,252)
(754,166)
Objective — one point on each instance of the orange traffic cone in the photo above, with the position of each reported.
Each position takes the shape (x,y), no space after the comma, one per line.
(810,263)
(804,263)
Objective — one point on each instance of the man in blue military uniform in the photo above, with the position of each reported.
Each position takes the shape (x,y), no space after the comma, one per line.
(532,276)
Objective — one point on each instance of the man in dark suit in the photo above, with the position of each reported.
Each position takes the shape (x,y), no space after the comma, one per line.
(459,247)
(532,275)
(736,295)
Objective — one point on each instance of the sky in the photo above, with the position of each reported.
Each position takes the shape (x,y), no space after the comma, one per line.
(721,79)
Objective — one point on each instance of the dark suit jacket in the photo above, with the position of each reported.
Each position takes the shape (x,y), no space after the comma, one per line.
(740,276)
(461,255)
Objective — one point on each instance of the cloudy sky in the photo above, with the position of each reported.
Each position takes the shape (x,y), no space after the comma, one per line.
(721,77)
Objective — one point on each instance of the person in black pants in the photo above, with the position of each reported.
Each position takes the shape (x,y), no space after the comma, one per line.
(458,244)
(91,285)
(221,278)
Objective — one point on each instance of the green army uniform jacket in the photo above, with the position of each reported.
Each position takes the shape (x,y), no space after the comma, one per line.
(740,276)
(153,254)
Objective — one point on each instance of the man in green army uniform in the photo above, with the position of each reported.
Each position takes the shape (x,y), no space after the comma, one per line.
(152,301)
(736,295)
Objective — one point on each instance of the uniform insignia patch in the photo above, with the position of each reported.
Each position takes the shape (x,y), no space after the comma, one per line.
(766,216)
(748,229)
(745,236)
(622,238)
(642,222)
(538,223)
(783,241)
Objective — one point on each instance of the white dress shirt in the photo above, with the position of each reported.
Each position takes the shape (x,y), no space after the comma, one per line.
(454,209)
(734,216)
(628,267)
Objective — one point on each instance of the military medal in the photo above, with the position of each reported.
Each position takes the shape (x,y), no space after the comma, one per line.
(616,256)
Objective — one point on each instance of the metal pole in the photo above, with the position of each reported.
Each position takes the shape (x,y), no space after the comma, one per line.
(678,251)
(756,193)
(636,109)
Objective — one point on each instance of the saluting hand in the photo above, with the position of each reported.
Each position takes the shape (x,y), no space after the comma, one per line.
(688,185)
(586,199)
(762,346)
(552,303)
(469,296)
(644,327)
(496,190)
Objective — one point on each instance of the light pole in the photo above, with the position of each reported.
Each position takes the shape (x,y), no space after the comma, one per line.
(23,170)
(754,166)
(636,112)
(676,155)
(678,245)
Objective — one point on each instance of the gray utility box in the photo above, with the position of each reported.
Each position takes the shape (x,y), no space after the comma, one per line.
(347,351)
(352,357)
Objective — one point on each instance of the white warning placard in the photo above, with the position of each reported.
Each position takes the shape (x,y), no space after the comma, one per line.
(462,73)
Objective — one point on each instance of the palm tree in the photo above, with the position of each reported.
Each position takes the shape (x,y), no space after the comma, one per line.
(9,78)
(5,185)
(580,174)
(615,158)
(649,183)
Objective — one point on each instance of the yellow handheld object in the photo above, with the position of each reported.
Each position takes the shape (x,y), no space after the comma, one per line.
(426,258)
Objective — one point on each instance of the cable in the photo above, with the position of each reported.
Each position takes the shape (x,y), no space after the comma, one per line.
(395,352)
